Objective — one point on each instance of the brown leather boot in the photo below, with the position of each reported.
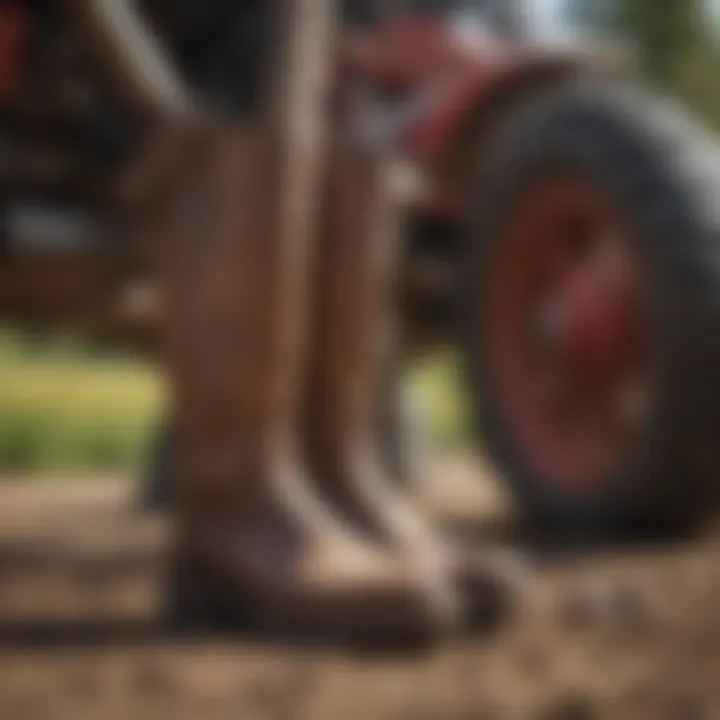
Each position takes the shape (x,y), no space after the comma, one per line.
(234,270)
(352,330)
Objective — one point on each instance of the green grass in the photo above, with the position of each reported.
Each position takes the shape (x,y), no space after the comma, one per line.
(436,382)
(67,407)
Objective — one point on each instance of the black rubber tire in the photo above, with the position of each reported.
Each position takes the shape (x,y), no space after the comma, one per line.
(402,435)
(663,170)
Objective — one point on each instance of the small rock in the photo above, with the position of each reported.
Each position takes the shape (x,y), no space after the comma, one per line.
(533,661)
(633,609)
(689,708)
(583,608)
(85,685)
(625,606)
(570,707)
(152,679)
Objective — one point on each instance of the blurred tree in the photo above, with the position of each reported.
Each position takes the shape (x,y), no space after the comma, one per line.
(665,30)
(677,41)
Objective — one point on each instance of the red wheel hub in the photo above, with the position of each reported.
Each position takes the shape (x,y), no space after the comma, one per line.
(566,331)
(593,311)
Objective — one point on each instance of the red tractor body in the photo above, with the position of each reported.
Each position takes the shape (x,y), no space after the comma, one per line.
(434,90)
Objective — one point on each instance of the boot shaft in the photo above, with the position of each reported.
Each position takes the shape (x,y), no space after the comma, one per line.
(234,258)
(354,319)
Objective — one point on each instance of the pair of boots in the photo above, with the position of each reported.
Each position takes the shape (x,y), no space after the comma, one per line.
(276,262)
(288,518)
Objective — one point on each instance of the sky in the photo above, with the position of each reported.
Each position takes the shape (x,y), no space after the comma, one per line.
(714,9)
(548,13)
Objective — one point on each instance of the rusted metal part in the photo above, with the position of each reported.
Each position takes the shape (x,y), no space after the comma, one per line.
(51,289)
(12,36)
(457,80)
(133,57)
(145,77)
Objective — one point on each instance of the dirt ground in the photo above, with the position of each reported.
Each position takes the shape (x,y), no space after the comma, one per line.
(624,633)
